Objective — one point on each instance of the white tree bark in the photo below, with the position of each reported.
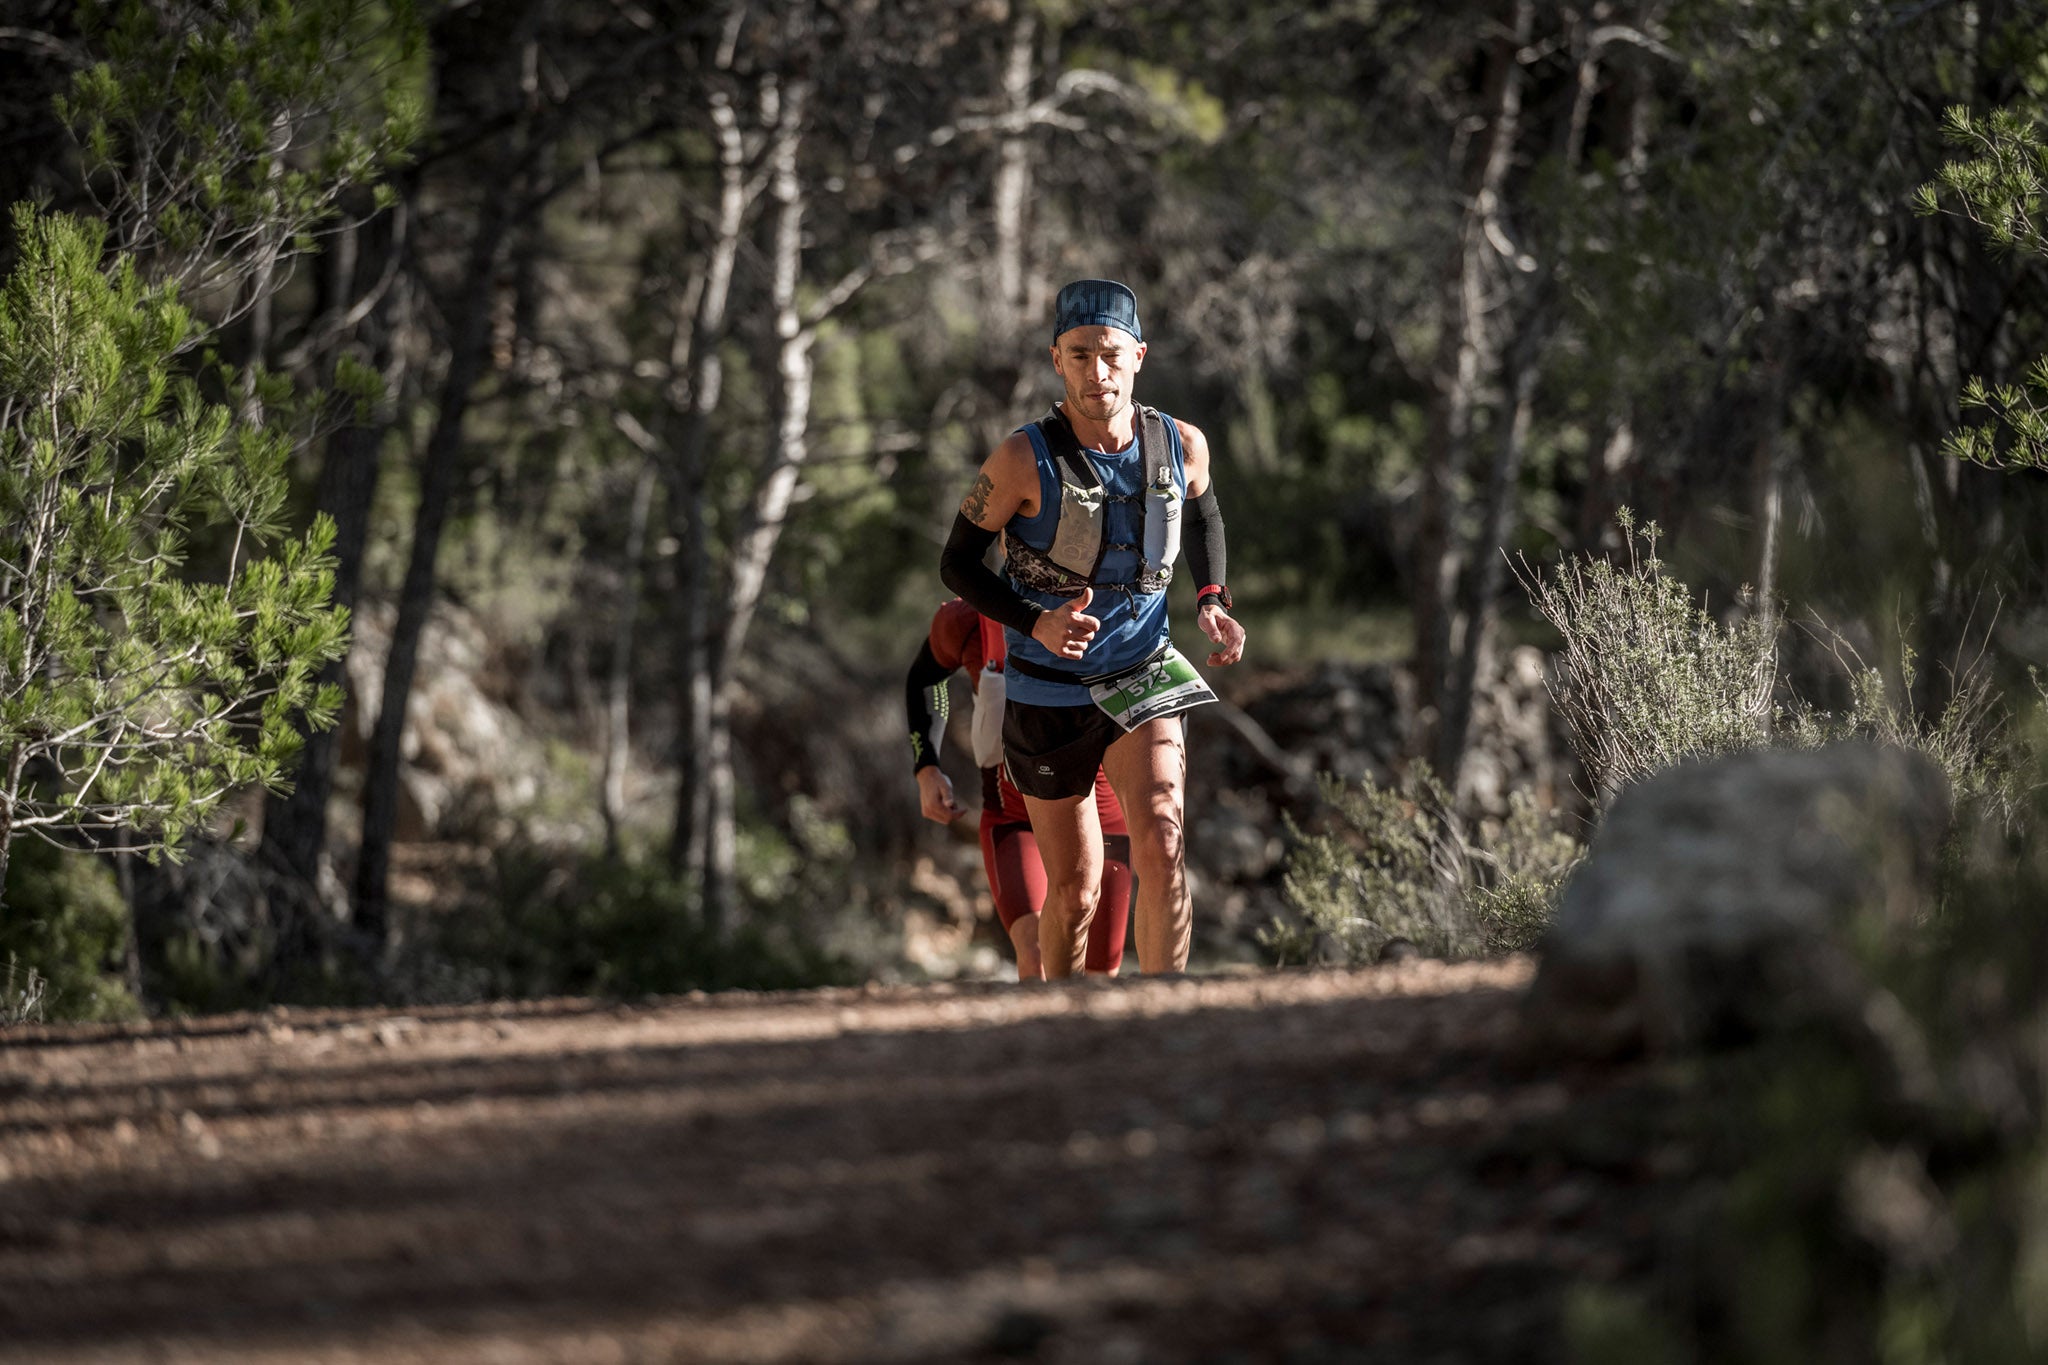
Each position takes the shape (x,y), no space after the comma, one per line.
(698,358)
(772,497)
(619,672)
(1013,174)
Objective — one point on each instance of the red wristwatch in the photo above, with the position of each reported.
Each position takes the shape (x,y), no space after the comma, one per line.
(1217,591)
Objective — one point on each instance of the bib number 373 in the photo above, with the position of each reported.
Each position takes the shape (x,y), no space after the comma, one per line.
(1165,686)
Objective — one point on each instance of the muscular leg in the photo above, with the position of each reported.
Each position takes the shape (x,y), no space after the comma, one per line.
(1070,846)
(1112,920)
(1148,768)
(1024,938)
(1016,880)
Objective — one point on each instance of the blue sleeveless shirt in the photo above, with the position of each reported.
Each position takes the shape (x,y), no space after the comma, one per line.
(1134,626)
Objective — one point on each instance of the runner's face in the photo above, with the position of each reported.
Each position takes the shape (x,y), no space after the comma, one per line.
(1098,365)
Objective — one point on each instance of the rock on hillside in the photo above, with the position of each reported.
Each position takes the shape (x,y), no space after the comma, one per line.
(1721,896)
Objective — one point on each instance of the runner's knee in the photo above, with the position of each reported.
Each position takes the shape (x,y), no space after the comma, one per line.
(1163,845)
(1073,900)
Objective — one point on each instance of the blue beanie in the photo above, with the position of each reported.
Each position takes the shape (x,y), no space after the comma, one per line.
(1095,303)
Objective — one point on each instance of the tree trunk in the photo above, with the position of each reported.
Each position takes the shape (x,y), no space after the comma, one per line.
(1012,192)
(1980,314)
(698,358)
(718,875)
(619,671)
(1769,470)
(7,807)
(1485,571)
(1610,464)
(295,825)
(1924,403)
(261,287)
(1607,469)
(1462,354)
(773,496)
(693,725)
(468,343)
(1009,290)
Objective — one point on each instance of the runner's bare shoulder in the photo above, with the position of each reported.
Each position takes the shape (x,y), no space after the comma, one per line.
(1008,484)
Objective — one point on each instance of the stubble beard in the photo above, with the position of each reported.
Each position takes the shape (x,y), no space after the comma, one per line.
(1104,410)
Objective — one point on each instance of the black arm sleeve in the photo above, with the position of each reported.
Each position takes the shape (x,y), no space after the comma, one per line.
(926,702)
(1205,541)
(962,569)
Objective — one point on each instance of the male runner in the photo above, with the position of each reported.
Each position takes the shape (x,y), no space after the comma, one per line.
(961,637)
(1089,500)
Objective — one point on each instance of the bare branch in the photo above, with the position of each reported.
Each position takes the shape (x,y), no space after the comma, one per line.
(34,40)
(1047,110)
(1608,34)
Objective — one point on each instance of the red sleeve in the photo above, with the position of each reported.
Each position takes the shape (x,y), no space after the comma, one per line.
(995,647)
(953,625)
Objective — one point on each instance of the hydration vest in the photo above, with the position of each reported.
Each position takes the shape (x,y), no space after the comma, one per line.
(1080,538)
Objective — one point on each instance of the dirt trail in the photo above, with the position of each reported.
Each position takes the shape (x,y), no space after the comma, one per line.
(1302,1167)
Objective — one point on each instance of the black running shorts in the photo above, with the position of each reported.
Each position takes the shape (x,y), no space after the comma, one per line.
(1052,752)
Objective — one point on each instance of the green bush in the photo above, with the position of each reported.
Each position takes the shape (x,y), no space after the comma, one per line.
(63,938)
(545,926)
(1972,740)
(1398,862)
(1645,677)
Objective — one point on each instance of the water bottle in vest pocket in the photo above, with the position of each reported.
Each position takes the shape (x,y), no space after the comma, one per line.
(1162,521)
(988,717)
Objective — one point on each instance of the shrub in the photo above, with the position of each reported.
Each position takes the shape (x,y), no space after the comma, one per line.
(1528,858)
(593,926)
(21,994)
(63,938)
(1645,676)
(1972,740)
(1398,862)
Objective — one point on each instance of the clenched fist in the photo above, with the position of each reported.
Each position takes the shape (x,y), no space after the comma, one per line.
(935,796)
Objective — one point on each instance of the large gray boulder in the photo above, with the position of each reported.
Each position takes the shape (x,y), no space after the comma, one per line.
(1727,897)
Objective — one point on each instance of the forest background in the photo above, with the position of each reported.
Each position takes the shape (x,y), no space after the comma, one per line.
(638,354)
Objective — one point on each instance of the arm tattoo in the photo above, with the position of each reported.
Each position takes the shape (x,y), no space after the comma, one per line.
(975,505)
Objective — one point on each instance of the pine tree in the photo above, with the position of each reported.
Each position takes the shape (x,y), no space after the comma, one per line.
(1999,185)
(135,696)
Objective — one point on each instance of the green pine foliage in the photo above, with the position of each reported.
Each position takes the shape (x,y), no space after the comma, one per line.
(1999,185)
(224,135)
(133,697)
(63,939)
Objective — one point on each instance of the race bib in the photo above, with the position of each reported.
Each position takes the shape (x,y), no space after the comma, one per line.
(1163,686)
